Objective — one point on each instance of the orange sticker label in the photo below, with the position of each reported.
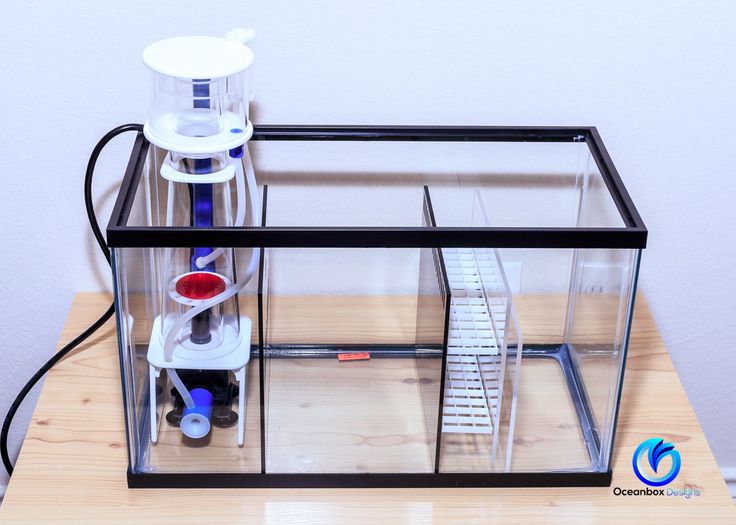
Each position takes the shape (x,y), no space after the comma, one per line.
(357,356)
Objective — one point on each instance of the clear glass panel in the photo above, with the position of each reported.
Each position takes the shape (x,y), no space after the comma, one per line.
(156,411)
(566,311)
(353,365)
(556,409)
(503,360)
(368,183)
(599,319)
(530,184)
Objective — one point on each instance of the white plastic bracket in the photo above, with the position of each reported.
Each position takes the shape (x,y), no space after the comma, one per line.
(224,175)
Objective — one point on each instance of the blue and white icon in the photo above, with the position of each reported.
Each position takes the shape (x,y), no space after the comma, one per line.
(655,449)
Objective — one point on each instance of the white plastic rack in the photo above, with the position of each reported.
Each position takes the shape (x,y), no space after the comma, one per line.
(480,312)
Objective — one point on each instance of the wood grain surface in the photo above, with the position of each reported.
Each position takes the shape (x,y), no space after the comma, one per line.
(73,462)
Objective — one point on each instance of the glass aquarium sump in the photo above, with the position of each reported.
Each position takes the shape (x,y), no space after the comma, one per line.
(430,306)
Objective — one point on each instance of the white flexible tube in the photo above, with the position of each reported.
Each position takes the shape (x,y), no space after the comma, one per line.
(179,385)
(201,262)
(170,204)
(255,257)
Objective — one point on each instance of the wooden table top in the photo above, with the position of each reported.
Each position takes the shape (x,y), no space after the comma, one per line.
(73,462)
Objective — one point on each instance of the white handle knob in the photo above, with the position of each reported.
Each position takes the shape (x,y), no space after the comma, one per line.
(241,35)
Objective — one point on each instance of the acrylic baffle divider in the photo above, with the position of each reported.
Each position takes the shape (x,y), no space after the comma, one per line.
(484,349)
(477,351)
(375,414)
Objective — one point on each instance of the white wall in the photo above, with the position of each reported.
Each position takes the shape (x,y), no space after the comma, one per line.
(657,78)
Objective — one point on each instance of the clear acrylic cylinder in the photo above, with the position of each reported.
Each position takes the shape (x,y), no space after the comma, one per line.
(198,107)
(200,95)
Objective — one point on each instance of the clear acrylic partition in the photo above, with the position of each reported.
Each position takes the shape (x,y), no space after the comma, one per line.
(138,272)
(476,360)
(376,415)
(484,352)
(144,280)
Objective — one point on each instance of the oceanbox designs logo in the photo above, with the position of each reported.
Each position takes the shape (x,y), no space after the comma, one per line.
(652,451)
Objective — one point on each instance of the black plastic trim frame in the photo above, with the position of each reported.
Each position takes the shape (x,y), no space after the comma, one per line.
(126,195)
(424,133)
(301,237)
(429,480)
(633,235)
(613,181)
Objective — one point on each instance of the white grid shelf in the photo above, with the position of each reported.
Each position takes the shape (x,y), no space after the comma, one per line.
(475,350)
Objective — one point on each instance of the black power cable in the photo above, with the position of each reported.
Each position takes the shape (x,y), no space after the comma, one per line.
(61,354)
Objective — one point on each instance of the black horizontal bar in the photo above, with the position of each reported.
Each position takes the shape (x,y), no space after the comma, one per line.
(428,480)
(615,185)
(353,237)
(425,133)
(126,196)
